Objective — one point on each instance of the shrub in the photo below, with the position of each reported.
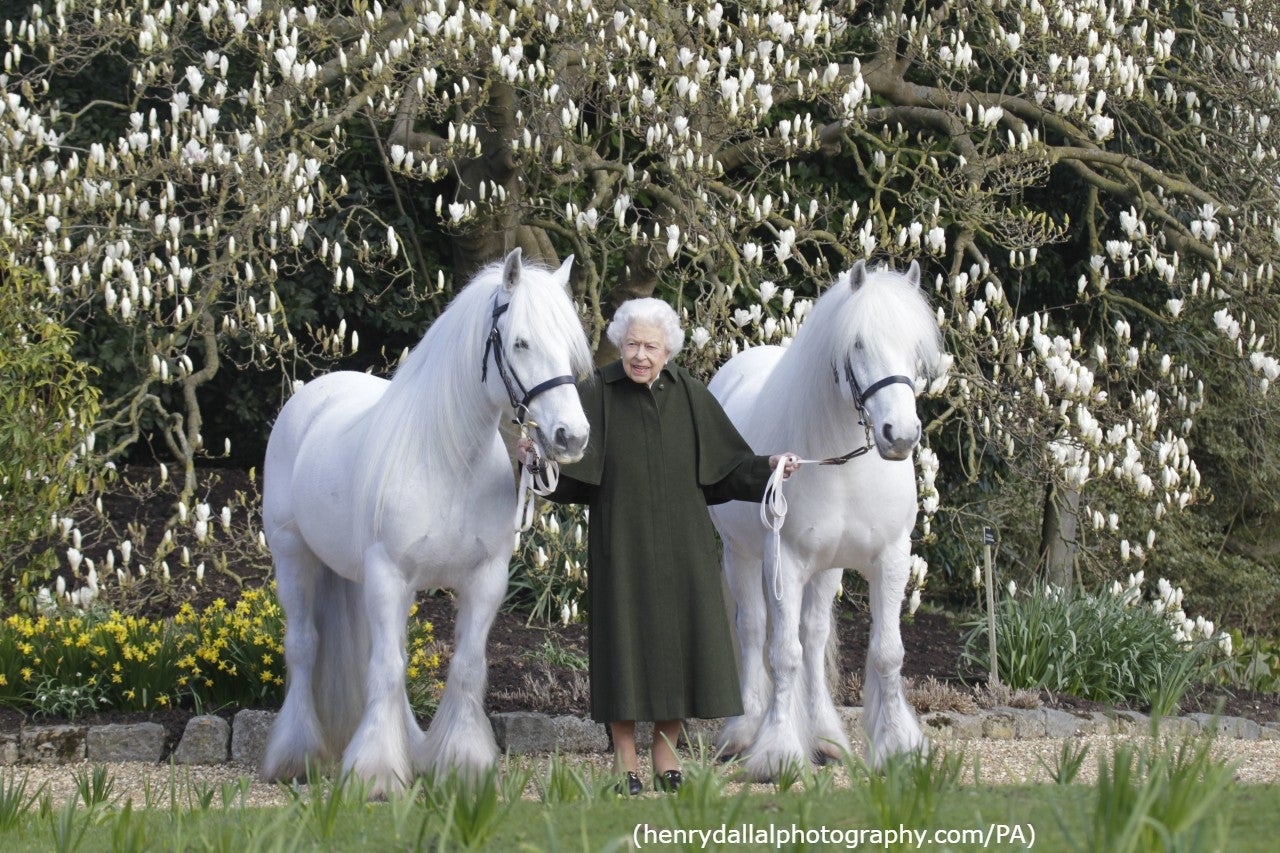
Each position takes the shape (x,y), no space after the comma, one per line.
(1107,647)
(46,412)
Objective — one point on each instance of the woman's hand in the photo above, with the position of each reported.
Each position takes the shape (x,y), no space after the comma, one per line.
(523,446)
(792,463)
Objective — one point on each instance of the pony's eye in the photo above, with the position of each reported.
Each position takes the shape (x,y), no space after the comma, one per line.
(858,344)
(520,343)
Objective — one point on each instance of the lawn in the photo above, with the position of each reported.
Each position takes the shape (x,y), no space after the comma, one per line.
(1168,796)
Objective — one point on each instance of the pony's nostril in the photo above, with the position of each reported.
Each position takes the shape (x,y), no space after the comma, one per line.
(568,441)
(900,442)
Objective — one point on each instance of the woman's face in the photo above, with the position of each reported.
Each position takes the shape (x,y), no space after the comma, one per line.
(644,352)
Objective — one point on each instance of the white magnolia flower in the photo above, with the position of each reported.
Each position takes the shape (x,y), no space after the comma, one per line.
(673,240)
(1102,127)
(936,239)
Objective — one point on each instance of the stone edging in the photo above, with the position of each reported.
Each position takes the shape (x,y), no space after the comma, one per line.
(210,739)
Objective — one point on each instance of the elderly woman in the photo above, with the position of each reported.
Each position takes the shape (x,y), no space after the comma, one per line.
(661,450)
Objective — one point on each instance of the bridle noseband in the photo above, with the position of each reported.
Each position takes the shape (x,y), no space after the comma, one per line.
(860,396)
(519,395)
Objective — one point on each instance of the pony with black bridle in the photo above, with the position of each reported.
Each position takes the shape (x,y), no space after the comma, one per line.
(376,489)
(539,475)
(855,510)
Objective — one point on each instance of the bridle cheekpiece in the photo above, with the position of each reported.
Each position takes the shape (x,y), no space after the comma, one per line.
(520,396)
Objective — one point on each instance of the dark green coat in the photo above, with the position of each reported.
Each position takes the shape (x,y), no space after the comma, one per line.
(659,636)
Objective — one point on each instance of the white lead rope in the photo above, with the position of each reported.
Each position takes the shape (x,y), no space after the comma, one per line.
(532,484)
(542,483)
(773,506)
(773,514)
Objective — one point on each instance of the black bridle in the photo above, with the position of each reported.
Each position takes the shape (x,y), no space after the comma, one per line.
(860,398)
(519,395)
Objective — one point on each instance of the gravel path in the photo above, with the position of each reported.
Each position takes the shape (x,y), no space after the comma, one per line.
(1002,762)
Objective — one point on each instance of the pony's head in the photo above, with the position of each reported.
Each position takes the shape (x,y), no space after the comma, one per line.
(890,338)
(535,350)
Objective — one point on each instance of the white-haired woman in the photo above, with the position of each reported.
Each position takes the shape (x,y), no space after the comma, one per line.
(661,450)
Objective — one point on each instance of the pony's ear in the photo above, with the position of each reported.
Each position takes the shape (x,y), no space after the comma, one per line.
(564,272)
(913,274)
(858,275)
(511,270)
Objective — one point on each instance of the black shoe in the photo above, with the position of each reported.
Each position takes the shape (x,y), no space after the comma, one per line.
(668,781)
(634,785)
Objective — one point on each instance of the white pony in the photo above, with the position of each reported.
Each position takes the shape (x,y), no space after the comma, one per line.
(375,489)
(843,382)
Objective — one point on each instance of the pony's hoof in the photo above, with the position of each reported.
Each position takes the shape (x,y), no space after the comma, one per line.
(829,751)
(378,790)
(769,769)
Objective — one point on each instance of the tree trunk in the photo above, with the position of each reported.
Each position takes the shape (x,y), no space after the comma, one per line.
(1058,535)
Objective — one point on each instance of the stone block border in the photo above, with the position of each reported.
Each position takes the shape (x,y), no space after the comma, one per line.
(210,739)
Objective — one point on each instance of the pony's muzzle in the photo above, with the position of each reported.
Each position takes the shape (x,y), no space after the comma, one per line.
(896,443)
(566,445)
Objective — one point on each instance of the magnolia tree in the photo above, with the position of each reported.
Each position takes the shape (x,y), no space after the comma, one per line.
(1090,186)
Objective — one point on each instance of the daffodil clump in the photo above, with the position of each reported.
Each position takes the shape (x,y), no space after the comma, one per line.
(232,655)
(126,662)
(423,671)
(222,656)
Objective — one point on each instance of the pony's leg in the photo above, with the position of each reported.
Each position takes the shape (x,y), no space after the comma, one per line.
(816,617)
(460,736)
(784,733)
(742,574)
(297,737)
(379,750)
(889,721)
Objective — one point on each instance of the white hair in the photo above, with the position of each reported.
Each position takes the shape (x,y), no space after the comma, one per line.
(652,312)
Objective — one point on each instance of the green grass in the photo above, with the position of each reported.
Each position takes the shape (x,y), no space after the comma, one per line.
(1058,815)
(1174,796)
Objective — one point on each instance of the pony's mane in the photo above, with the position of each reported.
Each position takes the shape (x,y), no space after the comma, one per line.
(436,414)
(888,313)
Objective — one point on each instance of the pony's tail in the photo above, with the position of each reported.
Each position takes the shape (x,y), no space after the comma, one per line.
(320,715)
(342,658)
(831,654)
